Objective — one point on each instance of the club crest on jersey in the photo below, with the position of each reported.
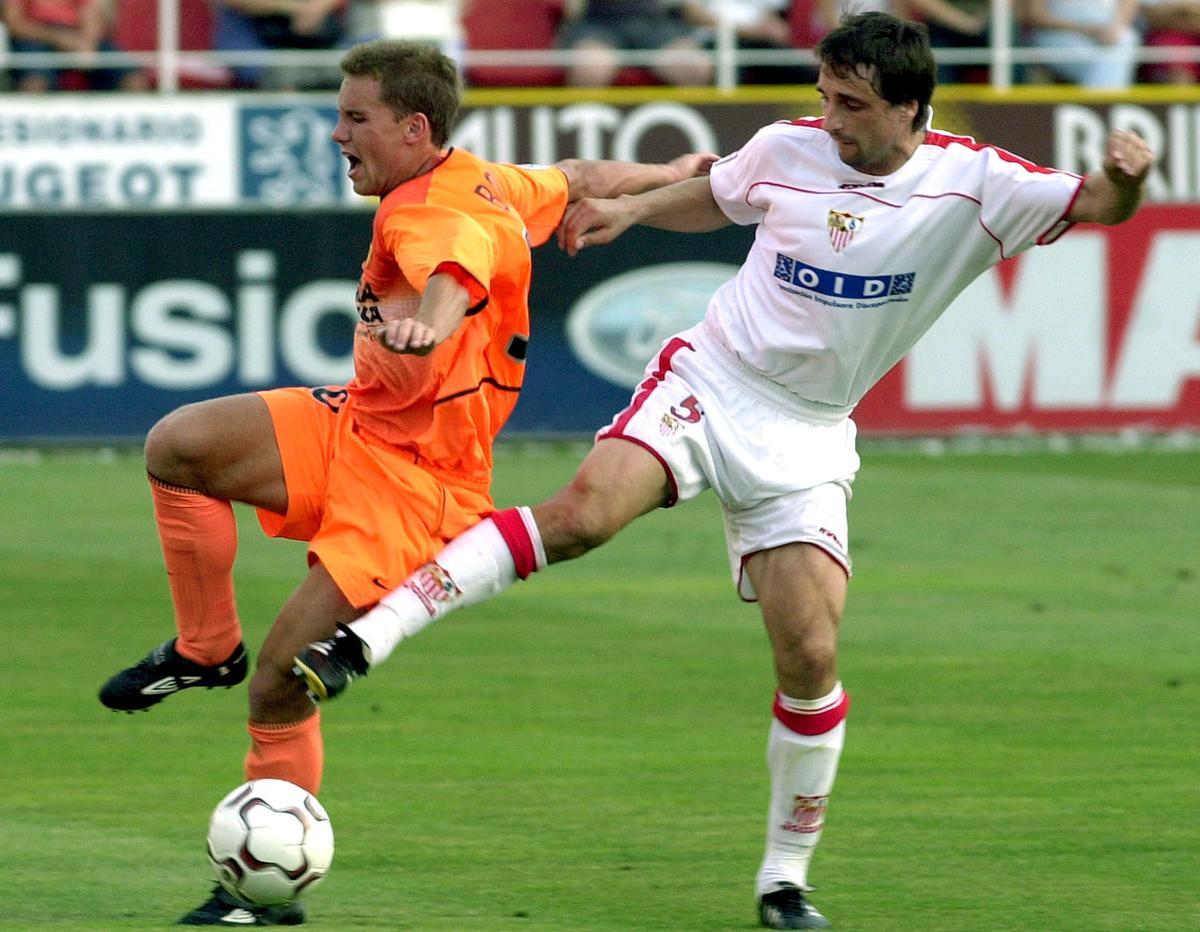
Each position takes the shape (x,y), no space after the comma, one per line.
(842,227)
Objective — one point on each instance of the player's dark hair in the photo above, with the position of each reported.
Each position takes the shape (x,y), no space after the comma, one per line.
(891,53)
(413,78)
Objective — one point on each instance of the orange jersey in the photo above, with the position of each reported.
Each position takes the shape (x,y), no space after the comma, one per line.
(478,221)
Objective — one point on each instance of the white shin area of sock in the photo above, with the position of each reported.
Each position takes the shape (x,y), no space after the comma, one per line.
(802,769)
(473,567)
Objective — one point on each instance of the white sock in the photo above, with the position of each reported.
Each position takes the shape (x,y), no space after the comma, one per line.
(802,768)
(475,566)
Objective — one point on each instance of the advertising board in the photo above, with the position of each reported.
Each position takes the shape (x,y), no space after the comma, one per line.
(275,152)
(158,253)
(142,313)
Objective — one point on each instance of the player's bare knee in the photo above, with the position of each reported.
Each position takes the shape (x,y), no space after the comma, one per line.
(818,661)
(806,659)
(160,460)
(174,449)
(573,523)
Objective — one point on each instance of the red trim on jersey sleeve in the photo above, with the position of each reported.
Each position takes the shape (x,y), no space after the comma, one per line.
(945,140)
(1062,224)
(1059,226)
(1057,229)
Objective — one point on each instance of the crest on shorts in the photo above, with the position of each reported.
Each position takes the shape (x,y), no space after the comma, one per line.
(842,227)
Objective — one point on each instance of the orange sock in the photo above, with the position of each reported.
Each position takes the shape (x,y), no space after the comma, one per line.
(291,751)
(199,541)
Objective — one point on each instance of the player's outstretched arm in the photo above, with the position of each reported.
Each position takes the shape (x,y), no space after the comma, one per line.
(603,178)
(444,304)
(685,207)
(1113,194)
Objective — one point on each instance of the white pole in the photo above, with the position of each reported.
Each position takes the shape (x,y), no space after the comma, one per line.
(168,46)
(726,52)
(1002,30)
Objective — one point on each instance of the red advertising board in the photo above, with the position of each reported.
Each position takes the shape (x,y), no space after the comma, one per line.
(1099,331)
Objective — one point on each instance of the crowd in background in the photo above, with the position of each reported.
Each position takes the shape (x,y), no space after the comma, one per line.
(1101,39)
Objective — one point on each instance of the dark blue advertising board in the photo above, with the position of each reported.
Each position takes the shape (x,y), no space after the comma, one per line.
(108,321)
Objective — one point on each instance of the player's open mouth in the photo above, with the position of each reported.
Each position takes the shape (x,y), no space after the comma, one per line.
(354,164)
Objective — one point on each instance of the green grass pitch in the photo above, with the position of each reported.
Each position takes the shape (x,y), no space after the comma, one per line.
(1022,643)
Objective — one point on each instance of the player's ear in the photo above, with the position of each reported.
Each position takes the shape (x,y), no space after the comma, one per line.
(417,126)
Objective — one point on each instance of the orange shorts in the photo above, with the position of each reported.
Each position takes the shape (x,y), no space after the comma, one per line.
(370,515)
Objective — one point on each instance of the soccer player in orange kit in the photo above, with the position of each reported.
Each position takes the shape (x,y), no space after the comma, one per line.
(402,454)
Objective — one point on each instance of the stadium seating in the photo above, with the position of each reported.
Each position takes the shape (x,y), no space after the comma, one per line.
(512,24)
(806,32)
(136,30)
(491,25)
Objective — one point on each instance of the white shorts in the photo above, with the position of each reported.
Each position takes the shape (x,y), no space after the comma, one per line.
(713,422)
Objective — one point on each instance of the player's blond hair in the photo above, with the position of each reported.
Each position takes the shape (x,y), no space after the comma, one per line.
(413,78)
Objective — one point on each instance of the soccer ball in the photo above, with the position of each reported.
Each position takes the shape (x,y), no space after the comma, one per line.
(269,841)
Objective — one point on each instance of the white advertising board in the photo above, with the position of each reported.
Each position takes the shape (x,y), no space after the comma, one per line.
(122,152)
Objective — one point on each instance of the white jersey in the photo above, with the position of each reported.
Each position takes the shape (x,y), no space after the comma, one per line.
(848,270)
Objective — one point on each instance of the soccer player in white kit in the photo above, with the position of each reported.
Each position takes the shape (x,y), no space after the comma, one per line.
(868,225)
